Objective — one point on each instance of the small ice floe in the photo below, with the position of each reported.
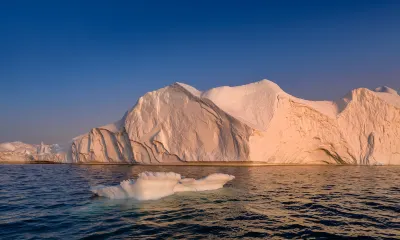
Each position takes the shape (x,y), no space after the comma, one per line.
(155,185)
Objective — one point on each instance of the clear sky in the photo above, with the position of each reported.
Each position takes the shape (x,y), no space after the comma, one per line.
(68,66)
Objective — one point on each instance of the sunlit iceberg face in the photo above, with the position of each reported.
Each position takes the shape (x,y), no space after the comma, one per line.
(155,185)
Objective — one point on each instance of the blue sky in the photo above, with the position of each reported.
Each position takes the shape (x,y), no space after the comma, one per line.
(68,66)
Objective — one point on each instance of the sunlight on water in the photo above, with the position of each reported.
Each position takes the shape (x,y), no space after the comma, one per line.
(53,201)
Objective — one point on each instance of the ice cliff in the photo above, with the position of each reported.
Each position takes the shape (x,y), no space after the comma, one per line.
(257,122)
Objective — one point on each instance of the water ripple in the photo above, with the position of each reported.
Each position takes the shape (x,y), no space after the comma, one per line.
(323,202)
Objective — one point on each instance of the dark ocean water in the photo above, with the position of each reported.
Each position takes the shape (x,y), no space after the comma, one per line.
(54,202)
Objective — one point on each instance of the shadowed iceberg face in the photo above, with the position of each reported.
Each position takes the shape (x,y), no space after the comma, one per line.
(156,185)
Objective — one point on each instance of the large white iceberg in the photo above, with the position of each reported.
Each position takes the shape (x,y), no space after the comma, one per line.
(155,185)
(257,122)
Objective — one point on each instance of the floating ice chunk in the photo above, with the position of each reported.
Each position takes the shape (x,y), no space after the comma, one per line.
(155,185)
(159,176)
(211,182)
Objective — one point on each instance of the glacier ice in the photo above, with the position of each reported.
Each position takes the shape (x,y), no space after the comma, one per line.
(156,185)
(256,122)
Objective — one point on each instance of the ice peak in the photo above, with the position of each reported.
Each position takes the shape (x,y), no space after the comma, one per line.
(385,89)
(188,88)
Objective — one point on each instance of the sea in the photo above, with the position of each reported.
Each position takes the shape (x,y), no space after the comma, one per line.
(50,201)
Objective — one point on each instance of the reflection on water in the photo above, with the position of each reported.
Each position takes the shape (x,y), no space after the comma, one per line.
(53,201)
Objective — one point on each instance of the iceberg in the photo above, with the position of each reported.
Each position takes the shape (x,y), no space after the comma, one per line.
(19,152)
(156,185)
(254,123)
